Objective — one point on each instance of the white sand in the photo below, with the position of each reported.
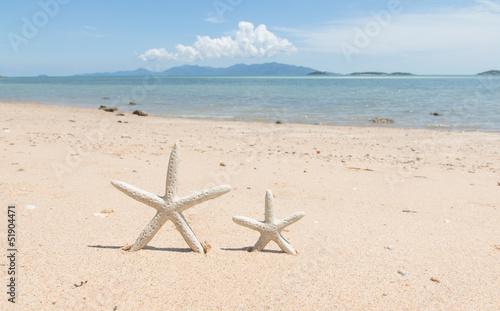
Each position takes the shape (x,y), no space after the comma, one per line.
(61,160)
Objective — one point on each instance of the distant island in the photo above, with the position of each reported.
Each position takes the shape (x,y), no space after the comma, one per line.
(490,73)
(267,69)
(317,73)
(371,73)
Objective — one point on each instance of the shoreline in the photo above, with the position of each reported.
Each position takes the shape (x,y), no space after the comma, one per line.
(369,124)
(394,218)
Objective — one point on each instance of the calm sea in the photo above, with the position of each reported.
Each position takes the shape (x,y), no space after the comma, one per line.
(470,103)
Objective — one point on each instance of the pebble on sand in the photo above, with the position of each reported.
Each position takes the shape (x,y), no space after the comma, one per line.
(30,207)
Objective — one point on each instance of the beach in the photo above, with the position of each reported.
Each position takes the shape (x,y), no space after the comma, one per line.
(395,219)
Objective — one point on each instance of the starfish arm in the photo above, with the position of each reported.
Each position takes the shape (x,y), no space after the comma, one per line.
(289,220)
(186,232)
(140,195)
(250,223)
(201,196)
(269,211)
(284,245)
(261,243)
(149,232)
(173,173)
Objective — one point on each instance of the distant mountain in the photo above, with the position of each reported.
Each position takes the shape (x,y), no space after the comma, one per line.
(268,69)
(490,73)
(192,70)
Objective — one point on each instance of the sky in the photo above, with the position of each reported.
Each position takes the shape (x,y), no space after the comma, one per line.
(67,37)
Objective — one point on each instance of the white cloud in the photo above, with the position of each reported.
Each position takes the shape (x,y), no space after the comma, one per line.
(247,42)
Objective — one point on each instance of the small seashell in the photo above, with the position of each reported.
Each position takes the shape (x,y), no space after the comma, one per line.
(30,207)
(403,273)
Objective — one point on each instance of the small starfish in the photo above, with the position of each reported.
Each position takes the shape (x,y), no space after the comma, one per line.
(169,207)
(271,228)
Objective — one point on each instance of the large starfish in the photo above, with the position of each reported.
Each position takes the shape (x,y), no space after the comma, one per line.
(271,228)
(169,206)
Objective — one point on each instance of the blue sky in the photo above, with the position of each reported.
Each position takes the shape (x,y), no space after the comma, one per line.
(65,37)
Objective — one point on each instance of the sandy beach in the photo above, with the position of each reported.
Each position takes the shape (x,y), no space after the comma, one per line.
(396,219)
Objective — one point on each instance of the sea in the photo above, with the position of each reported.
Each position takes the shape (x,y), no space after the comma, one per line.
(463,103)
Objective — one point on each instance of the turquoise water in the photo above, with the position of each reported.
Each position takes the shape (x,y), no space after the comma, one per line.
(465,102)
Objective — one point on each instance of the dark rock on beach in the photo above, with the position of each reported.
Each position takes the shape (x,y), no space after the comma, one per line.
(132,104)
(108,109)
(382,120)
(436,114)
(140,113)
(279,122)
